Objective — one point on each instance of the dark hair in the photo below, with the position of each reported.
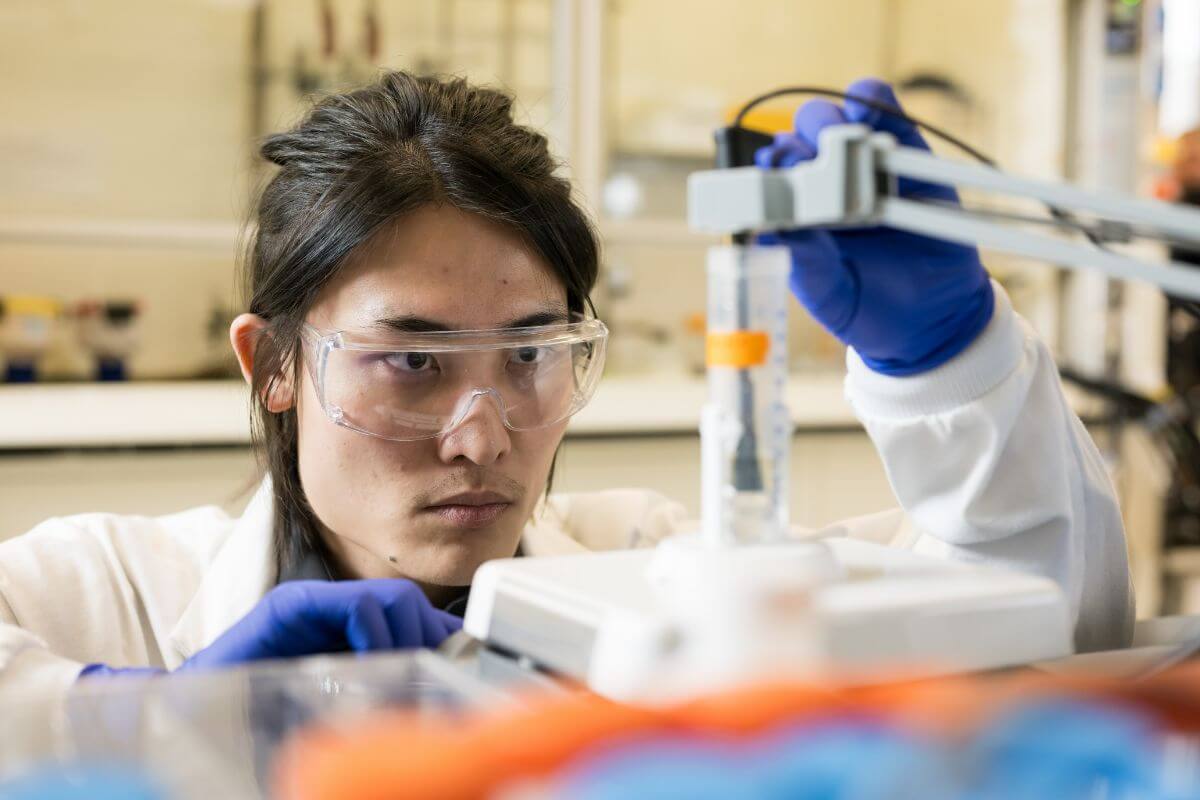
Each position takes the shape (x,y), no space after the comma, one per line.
(355,163)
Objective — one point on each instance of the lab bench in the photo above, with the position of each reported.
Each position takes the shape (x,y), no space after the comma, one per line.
(185,413)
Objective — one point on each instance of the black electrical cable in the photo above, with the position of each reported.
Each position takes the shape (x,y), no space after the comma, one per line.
(897,113)
(884,108)
(1067,219)
(1190,306)
(1071,225)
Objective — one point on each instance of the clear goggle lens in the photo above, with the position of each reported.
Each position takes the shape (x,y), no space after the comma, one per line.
(416,386)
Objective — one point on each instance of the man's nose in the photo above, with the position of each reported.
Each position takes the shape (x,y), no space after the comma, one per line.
(480,435)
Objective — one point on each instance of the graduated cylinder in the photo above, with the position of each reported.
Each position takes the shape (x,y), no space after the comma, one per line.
(746,430)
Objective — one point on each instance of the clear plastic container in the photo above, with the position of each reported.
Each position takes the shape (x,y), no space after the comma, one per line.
(746,428)
(215,734)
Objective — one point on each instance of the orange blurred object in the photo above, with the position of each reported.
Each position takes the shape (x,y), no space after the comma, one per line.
(768,119)
(398,755)
(402,755)
(740,349)
(1167,188)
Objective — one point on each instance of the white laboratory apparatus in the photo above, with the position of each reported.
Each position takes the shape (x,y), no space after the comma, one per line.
(739,599)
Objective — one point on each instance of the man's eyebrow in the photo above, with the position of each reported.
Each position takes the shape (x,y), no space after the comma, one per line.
(409,323)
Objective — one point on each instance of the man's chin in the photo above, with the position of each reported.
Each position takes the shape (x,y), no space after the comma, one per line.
(453,562)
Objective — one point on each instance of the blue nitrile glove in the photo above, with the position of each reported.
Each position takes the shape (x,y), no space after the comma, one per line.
(905,303)
(301,618)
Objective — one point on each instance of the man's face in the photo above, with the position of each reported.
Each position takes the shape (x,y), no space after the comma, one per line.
(424,509)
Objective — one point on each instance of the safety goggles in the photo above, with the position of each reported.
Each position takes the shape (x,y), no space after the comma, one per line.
(408,386)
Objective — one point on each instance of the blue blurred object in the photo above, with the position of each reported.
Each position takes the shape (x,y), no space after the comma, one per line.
(82,782)
(1051,750)
(300,618)
(20,372)
(1068,750)
(662,769)
(842,760)
(905,303)
(110,369)
(849,760)
(105,671)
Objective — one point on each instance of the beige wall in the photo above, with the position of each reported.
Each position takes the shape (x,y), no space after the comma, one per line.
(705,57)
(1010,55)
(459,36)
(139,111)
(127,112)
(134,117)
(122,109)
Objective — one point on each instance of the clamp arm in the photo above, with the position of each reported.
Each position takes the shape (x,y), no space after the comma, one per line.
(852,183)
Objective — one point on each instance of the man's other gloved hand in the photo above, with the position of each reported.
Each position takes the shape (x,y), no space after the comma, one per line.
(301,618)
(905,303)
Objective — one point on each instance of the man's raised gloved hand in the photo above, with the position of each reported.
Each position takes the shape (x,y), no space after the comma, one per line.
(905,303)
(302,618)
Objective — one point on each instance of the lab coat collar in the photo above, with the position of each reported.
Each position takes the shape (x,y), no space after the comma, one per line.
(238,577)
(546,533)
(244,570)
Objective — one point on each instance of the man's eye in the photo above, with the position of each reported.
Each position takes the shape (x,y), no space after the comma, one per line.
(528,355)
(412,362)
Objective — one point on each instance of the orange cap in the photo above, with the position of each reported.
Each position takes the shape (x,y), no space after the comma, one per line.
(741,349)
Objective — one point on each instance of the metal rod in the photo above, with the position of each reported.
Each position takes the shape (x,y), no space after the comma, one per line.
(746,474)
(1179,280)
(1179,223)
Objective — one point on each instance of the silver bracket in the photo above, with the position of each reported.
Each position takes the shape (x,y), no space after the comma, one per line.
(842,186)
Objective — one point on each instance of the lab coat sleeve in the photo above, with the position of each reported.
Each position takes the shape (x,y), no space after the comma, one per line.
(30,675)
(992,466)
(67,599)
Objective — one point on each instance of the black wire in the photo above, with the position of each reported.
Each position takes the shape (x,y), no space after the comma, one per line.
(1071,224)
(885,108)
(896,113)
(1190,306)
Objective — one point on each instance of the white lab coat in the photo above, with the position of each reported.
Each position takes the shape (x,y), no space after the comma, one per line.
(988,462)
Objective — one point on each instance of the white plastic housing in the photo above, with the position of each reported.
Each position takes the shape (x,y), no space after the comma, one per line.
(646,625)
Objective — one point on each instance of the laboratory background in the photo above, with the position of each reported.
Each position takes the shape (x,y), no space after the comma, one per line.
(128,134)
(127,155)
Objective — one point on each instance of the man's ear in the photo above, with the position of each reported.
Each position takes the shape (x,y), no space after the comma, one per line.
(244,335)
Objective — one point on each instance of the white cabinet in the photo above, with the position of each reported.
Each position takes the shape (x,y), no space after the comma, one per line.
(40,485)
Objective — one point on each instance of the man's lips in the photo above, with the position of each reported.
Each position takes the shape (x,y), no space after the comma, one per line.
(471,509)
(480,498)
(471,516)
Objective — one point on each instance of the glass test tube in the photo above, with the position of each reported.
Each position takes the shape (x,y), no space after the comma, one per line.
(746,429)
